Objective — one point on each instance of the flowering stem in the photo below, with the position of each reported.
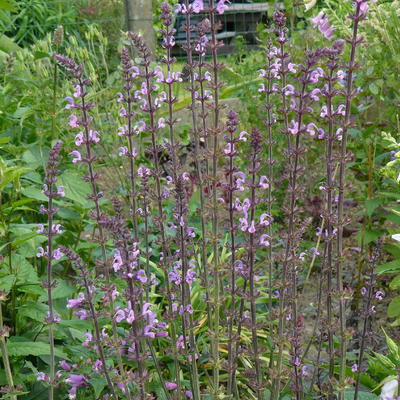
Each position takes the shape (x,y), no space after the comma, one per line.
(251,255)
(49,291)
(95,197)
(139,43)
(340,212)
(215,131)
(196,133)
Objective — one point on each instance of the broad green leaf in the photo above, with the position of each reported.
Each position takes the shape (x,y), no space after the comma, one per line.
(36,156)
(395,283)
(371,205)
(33,310)
(6,5)
(394,308)
(62,290)
(349,395)
(390,267)
(20,347)
(98,383)
(74,187)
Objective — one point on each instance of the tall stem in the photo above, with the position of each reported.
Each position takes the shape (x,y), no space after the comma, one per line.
(215,132)
(4,355)
(340,213)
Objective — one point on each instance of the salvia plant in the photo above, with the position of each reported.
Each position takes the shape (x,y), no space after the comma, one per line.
(195,288)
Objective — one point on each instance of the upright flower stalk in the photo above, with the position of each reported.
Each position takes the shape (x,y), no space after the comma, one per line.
(361,7)
(150,104)
(88,298)
(215,131)
(331,115)
(197,94)
(231,187)
(88,137)
(51,191)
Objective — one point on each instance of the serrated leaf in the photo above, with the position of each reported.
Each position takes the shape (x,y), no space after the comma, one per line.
(20,347)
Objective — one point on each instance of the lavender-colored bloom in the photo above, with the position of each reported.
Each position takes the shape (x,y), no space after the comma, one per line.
(42,377)
(379,295)
(354,368)
(222,7)
(76,303)
(71,103)
(77,156)
(74,122)
(321,21)
(64,365)
(171,385)
(264,182)
(81,314)
(141,276)
(264,240)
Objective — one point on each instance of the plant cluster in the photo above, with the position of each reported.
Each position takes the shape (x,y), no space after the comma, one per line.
(193,281)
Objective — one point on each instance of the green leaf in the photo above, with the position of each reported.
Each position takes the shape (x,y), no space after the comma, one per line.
(349,395)
(20,347)
(98,383)
(36,156)
(74,187)
(369,236)
(392,346)
(371,205)
(390,267)
(33,310)
(6,5)
(395,283)
(394,308)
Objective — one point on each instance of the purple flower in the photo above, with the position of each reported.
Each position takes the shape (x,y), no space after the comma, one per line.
(76,303)
(264,240)
(74,122)
(221,6)
(77,156)
(363,291)
(265,219)
(171,385)
(264,182)
(57,254)
(65,365)
(321,21)
(60,191)
(41,252)
(189,394)
(294,127)
(81,314)
(141,276)
(42,377)
(379,294)
(123,151)
(354,368)
(198,6)
(71,103)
